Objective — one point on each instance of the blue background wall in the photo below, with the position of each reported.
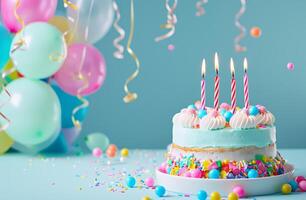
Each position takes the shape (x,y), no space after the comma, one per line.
(171,80)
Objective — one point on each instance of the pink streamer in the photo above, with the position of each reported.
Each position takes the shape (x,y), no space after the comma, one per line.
(200,8)
(120,49)
(241,28)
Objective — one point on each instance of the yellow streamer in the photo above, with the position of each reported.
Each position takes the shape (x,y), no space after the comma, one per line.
(131,96)
(69,4)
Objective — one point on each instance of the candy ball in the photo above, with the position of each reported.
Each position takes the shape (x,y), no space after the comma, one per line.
(222,111)
(111,153)
(228,115)
(124,152)
(255,32)
(253,110)
(149,182)
(225,106)
(290,66)
(215,196)
(160,191)
(286,188)
(202,113)
(298,179)
(146,198)
(202,195)
(130,181)
(97,152)
(113,147)
(302,185)
(232,196)
(294,185)
(253,173)
(239,190)
(196,173)
(214,174)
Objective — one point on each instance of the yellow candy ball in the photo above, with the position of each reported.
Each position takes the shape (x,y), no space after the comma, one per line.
(286,188)
(215,196)
(146,198)
(124,152)
(232,196)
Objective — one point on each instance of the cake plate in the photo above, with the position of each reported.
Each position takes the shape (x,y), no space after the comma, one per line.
(253,187)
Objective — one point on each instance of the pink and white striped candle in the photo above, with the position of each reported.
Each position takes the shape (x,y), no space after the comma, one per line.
(233,87)
(203,95)
(246,84)
(217,83)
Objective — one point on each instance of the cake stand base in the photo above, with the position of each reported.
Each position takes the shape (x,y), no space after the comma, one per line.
(253,187)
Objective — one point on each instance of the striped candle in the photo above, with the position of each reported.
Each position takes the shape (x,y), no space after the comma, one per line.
(217,83)
(246,84)
(203,95)
(233,87)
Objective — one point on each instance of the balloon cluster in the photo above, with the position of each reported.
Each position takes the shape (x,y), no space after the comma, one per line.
(49,65)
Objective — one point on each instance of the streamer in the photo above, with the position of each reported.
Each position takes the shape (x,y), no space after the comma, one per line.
(131,96)
(171,21)
(241,28)
(120,49)
(200,7)
(69,4)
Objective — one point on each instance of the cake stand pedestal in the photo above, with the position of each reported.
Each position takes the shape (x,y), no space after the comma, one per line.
(253,187)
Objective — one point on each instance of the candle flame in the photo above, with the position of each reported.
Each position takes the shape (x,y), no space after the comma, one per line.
(216,63)
(203,67)
(232,67)
(245,65)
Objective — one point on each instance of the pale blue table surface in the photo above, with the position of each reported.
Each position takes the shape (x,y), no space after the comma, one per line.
(85,177)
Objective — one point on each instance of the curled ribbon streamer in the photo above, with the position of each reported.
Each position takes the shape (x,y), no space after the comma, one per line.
(171,21)
(69,4)
(131,96)
(20,42)
(200,8)
(241,28)
(120,49)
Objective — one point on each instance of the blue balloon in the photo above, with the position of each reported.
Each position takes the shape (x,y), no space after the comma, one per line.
(5,45)
(68,103)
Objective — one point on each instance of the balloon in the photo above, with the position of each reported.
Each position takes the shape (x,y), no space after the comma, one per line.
(96,15)
(68,103)
(43,52)
(60,145)
(33,109)
(71,134)
(5,142)
(12,76)
(92,69)
(5,45)
(95,140)
(63,24)
(28,10)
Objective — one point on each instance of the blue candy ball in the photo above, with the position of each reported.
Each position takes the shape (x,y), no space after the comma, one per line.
(202,113)
(214,174)
(294,185)
(160,191)
(192,107)
(253,110)
(130,181)
(202,195)
(228,115)
(253,173)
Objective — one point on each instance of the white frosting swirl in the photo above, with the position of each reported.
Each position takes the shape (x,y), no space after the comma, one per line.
(241,120)
(266,118)
(212,121)
(186,118)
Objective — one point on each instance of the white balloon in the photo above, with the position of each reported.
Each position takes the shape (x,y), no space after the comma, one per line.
(92,19)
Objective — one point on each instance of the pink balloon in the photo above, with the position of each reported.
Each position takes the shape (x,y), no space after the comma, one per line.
(92,69)
(29,11)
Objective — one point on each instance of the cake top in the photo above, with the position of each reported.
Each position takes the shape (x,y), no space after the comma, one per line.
(223,117)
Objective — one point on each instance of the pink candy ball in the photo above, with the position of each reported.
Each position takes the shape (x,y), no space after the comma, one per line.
(163,167)
(239,190)
(298,179)
(196,173)
(302,185)
(187,174)
(171,47)
(149,182)
(225,106)
(97,152)
(213,113)
(290,66)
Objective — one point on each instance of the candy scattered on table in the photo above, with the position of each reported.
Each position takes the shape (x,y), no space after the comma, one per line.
(111,151)
(290,66)
(294,185)
(149,182)
(160,191)
(286,188)
(202,195)
(239,190)
(302,185)
(255,32)
(124,152)
(130,181)
(146,198)
(215,196)
(232,196)
(97,152)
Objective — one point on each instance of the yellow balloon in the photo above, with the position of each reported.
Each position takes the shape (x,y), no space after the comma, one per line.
(5,142)
(12,76)
(64,25)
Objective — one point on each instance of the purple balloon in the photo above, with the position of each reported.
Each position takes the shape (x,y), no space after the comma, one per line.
(71,134)
(28,10)
(85,60)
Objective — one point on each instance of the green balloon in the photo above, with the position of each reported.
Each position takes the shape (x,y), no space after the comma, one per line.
(42,51)
(33,109)
(94,140)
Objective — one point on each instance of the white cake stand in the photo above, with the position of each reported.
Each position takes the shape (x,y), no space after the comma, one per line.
(253,187)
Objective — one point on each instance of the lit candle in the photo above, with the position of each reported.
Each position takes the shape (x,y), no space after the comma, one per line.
(246,84)
(217,83)
(203,96)
(233,86)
